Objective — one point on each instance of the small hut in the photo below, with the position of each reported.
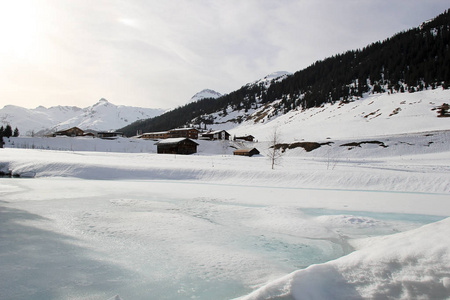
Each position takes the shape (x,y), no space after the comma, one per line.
(248,138)
(177,146)
(246,152)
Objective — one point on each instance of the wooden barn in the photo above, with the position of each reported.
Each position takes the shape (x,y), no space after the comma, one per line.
(246,152)
(177,146)
(74,131)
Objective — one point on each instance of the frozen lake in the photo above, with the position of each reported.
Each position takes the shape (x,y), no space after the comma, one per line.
(64,238)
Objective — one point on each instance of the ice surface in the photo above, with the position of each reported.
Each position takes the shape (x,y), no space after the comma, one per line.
(164,239)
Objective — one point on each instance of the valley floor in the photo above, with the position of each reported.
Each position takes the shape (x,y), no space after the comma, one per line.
(92,225)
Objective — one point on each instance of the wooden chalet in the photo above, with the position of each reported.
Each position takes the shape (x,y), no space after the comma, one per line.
(190,133)
(246,152)
(74,131)
(248,138)
(216,135)
(176,146)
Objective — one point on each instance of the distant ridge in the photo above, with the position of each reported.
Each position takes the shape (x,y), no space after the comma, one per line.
(102,116)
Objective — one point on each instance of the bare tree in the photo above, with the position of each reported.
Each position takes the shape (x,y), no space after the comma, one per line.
(274,152)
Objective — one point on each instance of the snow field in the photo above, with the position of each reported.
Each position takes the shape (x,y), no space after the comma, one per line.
(143,225)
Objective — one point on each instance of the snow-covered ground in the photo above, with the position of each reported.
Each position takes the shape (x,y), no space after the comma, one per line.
(340,220)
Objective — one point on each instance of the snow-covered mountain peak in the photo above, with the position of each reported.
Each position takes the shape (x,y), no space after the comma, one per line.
(206,93)
(266,80)
(101,102)
(102,116)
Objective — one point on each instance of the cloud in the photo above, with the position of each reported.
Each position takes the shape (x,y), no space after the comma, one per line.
(160,53)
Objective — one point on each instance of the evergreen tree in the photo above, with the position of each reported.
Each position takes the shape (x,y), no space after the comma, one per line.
(7,132)
(16,132)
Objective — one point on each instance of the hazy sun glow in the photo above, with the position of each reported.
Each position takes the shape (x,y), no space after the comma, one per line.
(18,29)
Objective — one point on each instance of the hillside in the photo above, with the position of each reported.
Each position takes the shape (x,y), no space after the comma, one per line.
(409,62)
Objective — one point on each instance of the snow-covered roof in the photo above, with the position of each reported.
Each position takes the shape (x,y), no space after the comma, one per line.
(173,141)
(216,131)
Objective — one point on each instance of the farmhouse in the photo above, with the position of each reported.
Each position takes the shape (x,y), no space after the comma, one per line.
(216,135)
(177,146)
(74,131)
(246,152)
(248,138)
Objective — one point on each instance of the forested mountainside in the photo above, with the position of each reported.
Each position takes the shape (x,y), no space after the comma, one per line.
(410,61)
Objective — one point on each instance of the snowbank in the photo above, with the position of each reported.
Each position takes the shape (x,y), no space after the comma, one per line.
(407,265)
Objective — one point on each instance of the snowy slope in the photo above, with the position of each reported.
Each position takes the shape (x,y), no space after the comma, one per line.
(101,116)
(373,115)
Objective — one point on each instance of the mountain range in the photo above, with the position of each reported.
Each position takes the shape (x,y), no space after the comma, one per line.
(102,116)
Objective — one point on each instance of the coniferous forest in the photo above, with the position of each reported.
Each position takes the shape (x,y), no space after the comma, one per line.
(410,61)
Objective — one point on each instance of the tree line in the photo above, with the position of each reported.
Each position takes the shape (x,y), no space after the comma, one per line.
(8,132)
(409,61)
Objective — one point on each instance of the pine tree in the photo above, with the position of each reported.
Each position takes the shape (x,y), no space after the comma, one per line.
(16,132)
(7,132)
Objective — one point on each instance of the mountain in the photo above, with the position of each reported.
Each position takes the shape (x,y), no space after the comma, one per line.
(272,77)
(102,116)
(206,93)
(410,62)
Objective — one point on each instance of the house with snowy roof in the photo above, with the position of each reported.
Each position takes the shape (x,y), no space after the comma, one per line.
(176,146)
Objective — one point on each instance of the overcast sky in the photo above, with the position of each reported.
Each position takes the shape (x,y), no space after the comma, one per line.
(158,54)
